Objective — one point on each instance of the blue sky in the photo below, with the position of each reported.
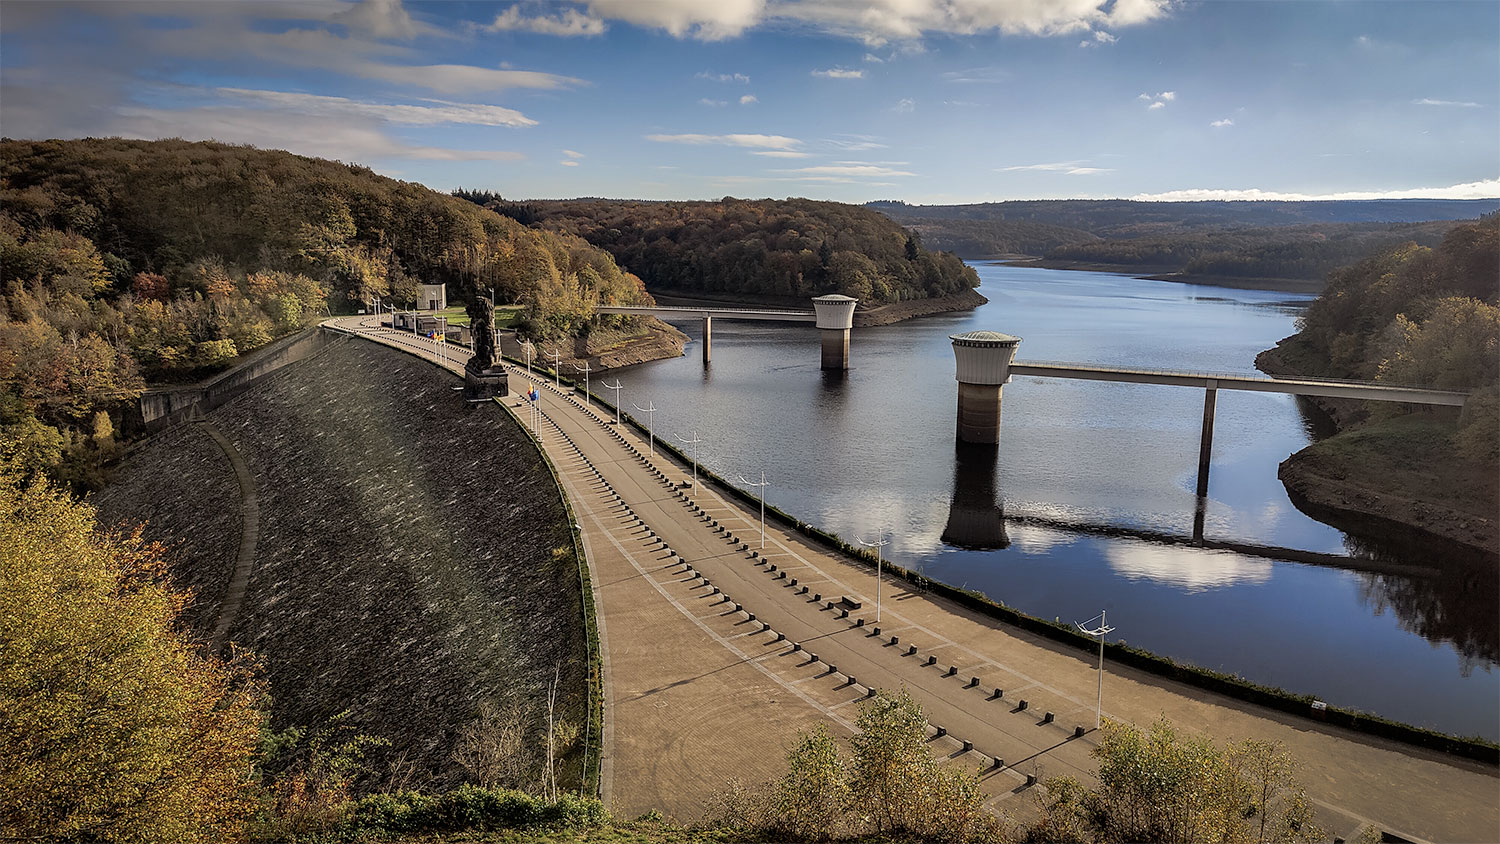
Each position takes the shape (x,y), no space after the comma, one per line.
(930,101)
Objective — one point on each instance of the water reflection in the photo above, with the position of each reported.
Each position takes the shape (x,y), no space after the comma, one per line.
(976,517)
(1457,606)
(1189,569)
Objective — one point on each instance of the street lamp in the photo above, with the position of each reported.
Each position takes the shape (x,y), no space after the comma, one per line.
(694,443)
(650,422)
(528,349)
(762,486)
(585,370)
(1099,631)
(616,387)
(881,540)
(556,365)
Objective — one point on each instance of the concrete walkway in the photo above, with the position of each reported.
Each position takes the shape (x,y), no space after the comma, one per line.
(717,651)
(234,593)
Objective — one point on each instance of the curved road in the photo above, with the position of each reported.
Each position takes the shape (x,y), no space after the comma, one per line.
(716,652)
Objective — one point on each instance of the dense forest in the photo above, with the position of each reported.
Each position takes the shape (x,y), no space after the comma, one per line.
(1417,316)
(773,248)
(1256,240)
(124,262)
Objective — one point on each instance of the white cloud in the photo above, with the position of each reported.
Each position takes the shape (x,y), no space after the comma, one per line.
(839,73)
(1069,168)
(382,19)
(458,78)
(337,138)
(1100,37)
(713,21)
(1428,101)
(1158,101)
(572,154)
(855,143)
(750,141)
(725,77)
(1220,124)
(844,171)
(873,59)
(468,114)
(569,23)
(983,75)
(905,105)
(1485,189)
(712,103)
(782,153)
(748,99)
(568,162)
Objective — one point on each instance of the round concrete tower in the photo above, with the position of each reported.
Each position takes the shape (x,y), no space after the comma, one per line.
(835,318)
(983,359)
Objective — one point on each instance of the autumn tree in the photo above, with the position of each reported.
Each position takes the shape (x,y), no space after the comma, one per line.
(113,727)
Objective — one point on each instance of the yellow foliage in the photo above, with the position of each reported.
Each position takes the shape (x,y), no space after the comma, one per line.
(113,727)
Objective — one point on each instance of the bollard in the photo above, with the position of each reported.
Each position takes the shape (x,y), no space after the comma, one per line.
(802,591)
(842,613)
(968,746)
(794,581)
(998,693)
(780,636)
(911,650)
(877,632)
(1022,704)
(932,660)
(942,731)
(997,763)
(973,681)
(1047,719)
(858,622)
(1031,779)
(952,670)
(772,568)
(869,692)
(750,616)
(1078,732)
(817,596)
(796,647)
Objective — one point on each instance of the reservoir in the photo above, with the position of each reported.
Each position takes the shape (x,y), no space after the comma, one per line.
(1088,503)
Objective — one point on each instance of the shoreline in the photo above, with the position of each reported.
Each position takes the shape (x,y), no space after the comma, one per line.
(1327,488)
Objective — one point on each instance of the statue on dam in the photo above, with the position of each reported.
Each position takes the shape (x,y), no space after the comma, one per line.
(484,378)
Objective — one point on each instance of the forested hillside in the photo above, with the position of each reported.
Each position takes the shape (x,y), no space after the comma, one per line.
(1247,240)
(774,248)
(1418,316)
(124,262)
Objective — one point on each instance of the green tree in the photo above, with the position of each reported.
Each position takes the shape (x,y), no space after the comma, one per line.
(113,727)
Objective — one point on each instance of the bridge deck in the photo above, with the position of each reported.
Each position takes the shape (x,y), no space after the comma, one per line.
(716,313)
(1227,381)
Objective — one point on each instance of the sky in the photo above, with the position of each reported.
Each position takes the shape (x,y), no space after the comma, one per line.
(927,101)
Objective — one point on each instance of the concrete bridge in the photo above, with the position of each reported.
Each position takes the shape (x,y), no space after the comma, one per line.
(985,365)
(833,314)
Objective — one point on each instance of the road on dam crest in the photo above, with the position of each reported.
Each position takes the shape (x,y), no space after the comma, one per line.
(716,652)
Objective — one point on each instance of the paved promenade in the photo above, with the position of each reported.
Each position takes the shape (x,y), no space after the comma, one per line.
(717,652)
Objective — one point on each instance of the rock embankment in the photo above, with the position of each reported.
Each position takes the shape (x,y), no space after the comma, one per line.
(966,300)
(414,559)
(1398,480)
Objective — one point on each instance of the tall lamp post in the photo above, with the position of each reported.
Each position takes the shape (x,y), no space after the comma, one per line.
(1099,631)
(616,387)
(556,365)
(650,411)
(881,540)
(528,349)
(762,486)
(694,443)
(585,370)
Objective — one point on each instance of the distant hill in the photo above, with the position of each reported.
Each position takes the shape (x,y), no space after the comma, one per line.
(1119,217)
(754,248)
(1299,241)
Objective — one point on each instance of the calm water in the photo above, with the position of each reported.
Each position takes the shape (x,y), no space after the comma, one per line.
(1088,499)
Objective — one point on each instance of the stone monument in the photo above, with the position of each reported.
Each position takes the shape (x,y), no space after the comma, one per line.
(484,378)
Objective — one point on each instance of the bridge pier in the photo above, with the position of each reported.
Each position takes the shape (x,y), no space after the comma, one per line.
(708,338)
(835,318)
(983,366)
(1206,439)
